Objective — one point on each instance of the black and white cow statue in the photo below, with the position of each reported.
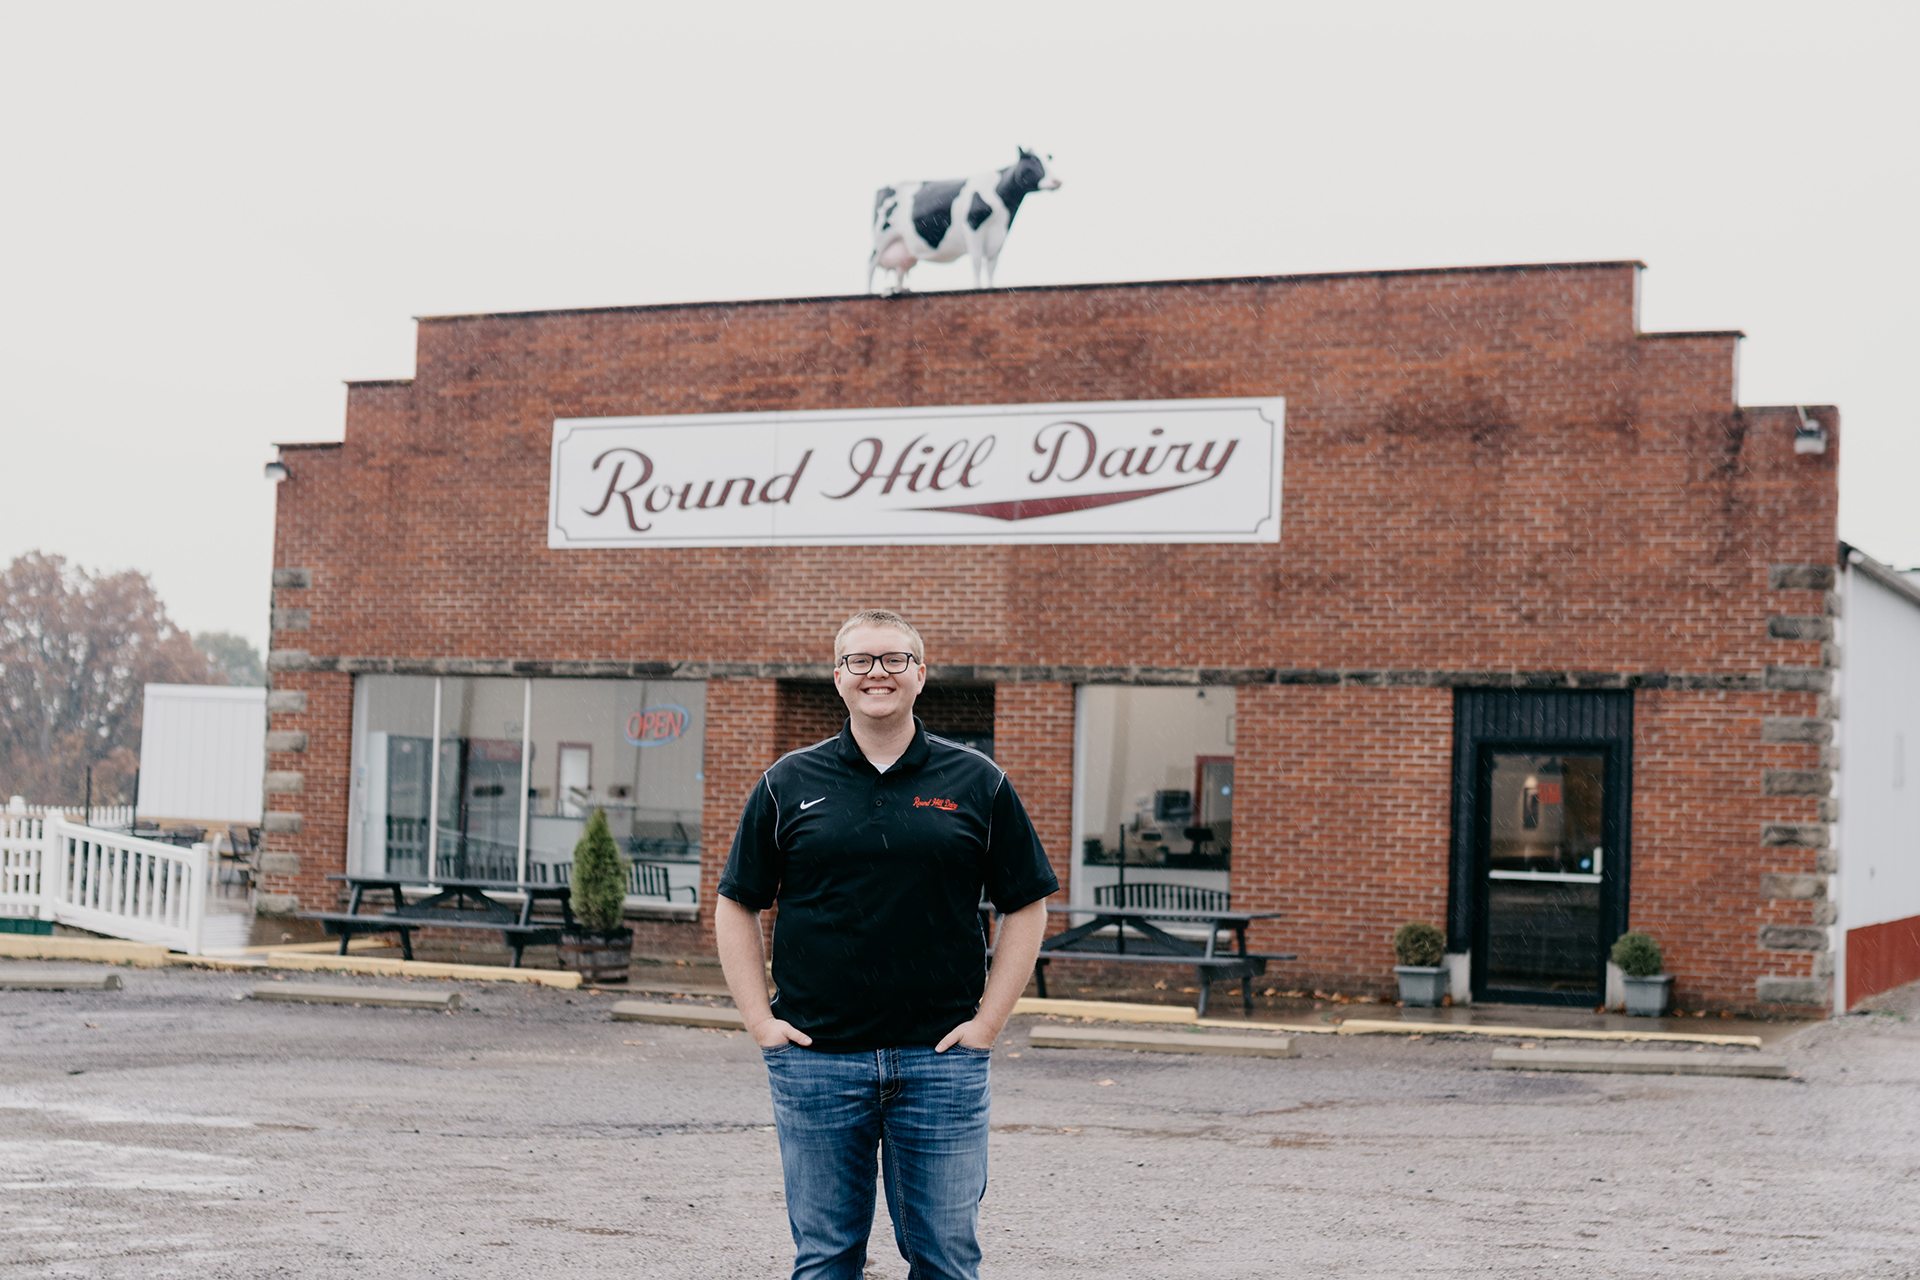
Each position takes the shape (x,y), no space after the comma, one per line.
(939,221)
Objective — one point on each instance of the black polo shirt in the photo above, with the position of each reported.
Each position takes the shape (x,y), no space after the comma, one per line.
(879,875)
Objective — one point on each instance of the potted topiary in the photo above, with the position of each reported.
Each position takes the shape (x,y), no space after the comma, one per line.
(599,944)
(1420,948)
(1637,956)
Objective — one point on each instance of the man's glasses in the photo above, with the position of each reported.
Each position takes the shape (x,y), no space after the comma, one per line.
(891,663)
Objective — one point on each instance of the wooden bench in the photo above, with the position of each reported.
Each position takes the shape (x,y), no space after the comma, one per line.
(1159,895)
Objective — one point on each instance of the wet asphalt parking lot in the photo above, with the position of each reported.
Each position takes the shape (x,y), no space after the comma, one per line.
(173,1128)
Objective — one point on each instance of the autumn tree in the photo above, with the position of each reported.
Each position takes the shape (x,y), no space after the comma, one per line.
(76,650)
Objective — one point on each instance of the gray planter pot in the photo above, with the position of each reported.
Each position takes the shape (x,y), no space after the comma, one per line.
(1422,986)
(1647,997)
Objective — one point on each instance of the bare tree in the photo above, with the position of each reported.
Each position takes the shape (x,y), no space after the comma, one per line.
(75,652)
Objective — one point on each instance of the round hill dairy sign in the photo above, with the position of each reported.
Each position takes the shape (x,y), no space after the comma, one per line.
(1134,471)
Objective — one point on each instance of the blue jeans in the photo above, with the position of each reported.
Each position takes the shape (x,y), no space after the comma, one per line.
(926,1115)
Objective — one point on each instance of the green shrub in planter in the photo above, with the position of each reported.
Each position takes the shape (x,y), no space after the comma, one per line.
(1420,948)
(599,878)
(599,946)
(1647,990)
(1637,955)
(1419,944)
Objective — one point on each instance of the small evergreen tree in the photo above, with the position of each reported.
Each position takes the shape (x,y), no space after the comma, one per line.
(599,880)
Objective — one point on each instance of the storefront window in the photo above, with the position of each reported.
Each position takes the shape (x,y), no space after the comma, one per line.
(480,749)
(521,766)
(392,775)
(1153,788)
(631,747)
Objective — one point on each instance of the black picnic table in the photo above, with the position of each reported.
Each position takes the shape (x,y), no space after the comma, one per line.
(1138,936)
(450,903)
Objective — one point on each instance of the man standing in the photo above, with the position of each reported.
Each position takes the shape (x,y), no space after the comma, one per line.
(877,844)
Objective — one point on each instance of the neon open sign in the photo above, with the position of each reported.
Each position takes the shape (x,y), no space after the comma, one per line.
(657,726)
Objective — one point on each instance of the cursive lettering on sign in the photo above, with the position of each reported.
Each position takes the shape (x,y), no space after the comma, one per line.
(915,468)
(1072,449)
(929,475)
(682,497)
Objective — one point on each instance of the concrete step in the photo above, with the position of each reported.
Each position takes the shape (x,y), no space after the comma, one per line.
(44,981)
(379,997)
(564,979)
(1257,1046)
(677,1015)
(1641,1062)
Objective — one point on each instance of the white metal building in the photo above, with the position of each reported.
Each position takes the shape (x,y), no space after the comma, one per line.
(203,753)
(1877,843)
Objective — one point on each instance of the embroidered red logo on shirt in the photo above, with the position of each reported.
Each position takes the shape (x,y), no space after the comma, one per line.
(948,805)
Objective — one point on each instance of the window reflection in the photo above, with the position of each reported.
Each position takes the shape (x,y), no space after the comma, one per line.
(1154,785)
(1546,814)
(393,775)
(634,748)
(479,820)
(631,747)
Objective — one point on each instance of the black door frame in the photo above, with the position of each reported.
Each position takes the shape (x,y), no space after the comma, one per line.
(1529,720)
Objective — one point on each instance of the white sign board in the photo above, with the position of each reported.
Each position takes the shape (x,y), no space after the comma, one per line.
(1133,471)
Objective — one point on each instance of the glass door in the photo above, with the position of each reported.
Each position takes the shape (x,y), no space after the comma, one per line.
(1544,875)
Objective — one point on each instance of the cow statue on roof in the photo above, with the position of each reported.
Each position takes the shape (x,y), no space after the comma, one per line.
(938,221)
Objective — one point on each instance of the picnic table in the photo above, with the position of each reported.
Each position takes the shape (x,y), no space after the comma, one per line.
(450,903)
(1137,935)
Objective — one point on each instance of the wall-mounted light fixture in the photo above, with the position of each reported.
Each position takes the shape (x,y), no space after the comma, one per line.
(1809,436)
(276,470)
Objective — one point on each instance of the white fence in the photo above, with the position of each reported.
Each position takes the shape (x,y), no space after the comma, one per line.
(103,881)
(101,815)
(21,855)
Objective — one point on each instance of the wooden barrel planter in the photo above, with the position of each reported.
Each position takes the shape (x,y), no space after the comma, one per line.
(597,957)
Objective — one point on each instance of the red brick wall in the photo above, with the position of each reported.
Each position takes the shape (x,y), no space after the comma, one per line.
(1486,472)
(1698,855)
(1482,469)
(323,763)
(1033,742)
(1341,804)
(742,720)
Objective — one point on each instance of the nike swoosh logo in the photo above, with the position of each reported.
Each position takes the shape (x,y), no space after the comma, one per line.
(808,804)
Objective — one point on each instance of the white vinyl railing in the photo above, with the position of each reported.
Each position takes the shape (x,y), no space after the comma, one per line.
(110,816)
(22,838)
(103,881)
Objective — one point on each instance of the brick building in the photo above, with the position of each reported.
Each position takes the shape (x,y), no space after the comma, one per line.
(1534,641)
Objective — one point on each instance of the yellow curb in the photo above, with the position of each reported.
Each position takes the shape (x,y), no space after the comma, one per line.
(1366,1027)
(1170,1015)
(328,946)
(564,980)
(1106,1011)
(1281,1028)
(25,946)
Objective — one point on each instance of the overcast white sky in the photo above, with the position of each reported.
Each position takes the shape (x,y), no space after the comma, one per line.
(213,214)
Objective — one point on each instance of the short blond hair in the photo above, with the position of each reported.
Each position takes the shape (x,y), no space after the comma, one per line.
(879,618)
